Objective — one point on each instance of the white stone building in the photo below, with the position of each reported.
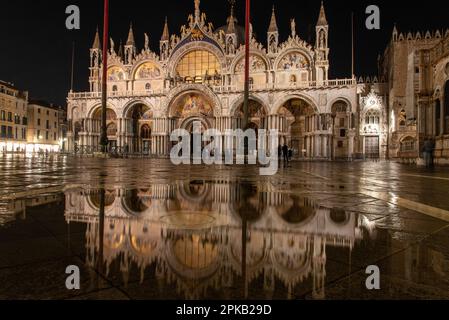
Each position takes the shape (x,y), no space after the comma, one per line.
(199,75)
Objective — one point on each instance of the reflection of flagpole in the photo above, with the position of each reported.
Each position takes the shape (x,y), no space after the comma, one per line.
(247,42)
(104,138)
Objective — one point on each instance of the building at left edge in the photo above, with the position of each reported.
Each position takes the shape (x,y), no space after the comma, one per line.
(29,126)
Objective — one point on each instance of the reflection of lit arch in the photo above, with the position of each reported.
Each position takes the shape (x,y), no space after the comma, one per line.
(297,211)
(195,191)
(292,263)
(338,216)
(257,252)
(133,204)
(94,199)
(182,263)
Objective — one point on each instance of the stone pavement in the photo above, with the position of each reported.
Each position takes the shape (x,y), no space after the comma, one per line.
(176,232)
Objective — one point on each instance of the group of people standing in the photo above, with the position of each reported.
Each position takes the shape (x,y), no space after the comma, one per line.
(286,153)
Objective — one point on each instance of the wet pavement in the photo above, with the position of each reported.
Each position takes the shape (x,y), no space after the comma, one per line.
(145,229)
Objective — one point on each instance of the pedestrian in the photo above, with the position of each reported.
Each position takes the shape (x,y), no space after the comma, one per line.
(285,153)
(279,152)
(427,152)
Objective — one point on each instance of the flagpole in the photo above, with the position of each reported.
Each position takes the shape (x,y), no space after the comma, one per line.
(73,67)
(104,138)
(352,43)
(247,43)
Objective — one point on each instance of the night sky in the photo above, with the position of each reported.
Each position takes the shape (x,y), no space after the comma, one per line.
(36,47)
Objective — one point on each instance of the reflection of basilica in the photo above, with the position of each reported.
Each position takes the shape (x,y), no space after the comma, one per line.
(191,233)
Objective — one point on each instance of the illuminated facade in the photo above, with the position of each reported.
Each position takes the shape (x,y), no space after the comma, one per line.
(43,127)
(13,118)
(417,68)
(198,75)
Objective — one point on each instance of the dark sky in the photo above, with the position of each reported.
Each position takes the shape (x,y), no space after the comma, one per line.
(36,47)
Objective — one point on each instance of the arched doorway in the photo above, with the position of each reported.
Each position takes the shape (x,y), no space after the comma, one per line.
(257,120)
(340,129)
(190,126)
(371,132)
(189,108)
(257,114)
(298,116)
(145,135)
(140,117)
(111,127)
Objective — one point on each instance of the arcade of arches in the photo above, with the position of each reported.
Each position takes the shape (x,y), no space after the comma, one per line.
(309,134)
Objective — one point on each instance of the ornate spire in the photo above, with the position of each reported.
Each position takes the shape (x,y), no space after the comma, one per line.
(165,33)
(96,44)
(231,20)
(120,50)
(273,24)
(322,21)
(130,41)
(197,10)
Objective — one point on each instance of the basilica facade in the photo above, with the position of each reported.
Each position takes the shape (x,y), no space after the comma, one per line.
(198,75)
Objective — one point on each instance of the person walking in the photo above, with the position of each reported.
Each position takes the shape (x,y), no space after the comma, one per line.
(285,153)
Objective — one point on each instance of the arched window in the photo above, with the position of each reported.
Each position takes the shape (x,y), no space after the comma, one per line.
(198,63)
(114,88)
(145,132)
(148,87)
(372,117)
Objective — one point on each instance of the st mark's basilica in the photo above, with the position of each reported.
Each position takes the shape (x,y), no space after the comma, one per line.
(198,75)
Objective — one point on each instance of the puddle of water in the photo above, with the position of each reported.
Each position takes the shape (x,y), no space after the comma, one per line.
(204,237)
